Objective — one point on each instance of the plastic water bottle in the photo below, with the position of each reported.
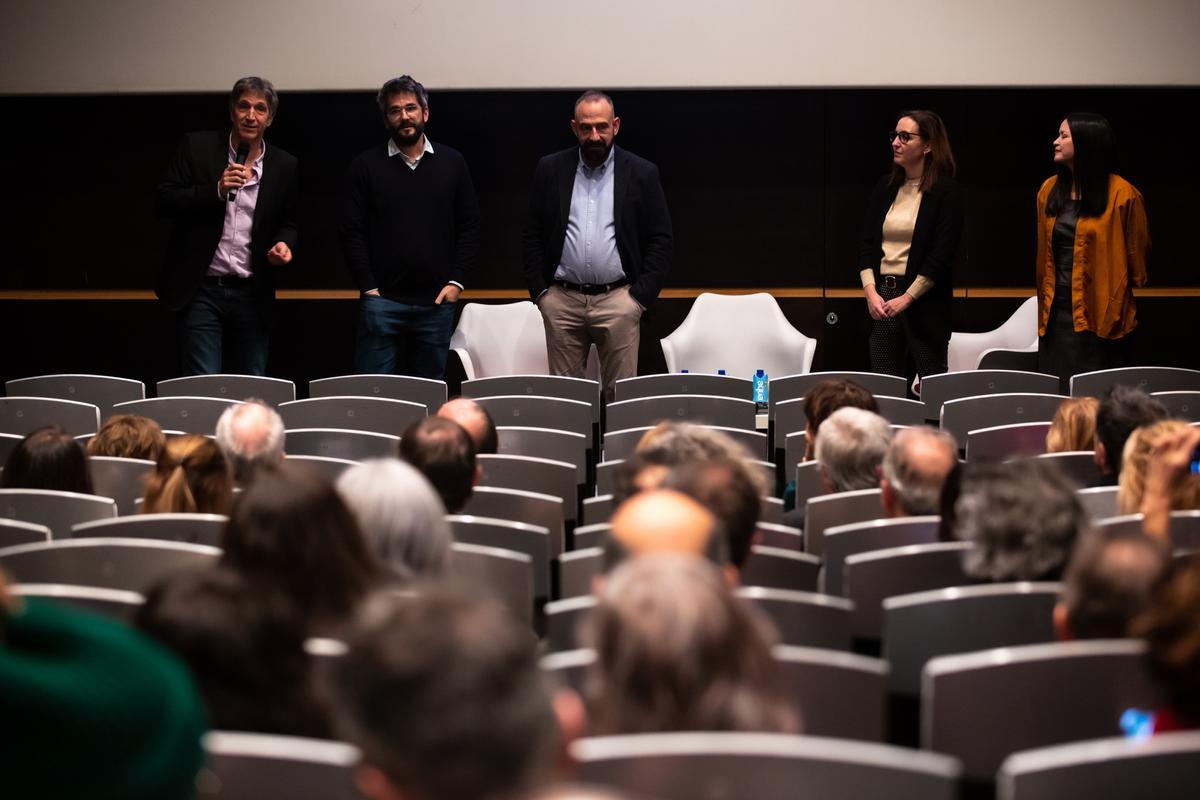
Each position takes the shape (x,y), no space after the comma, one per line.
(684,371)
(762,388)
(720,372)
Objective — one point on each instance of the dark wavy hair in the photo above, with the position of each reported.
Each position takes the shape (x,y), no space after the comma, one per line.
(939,161)
(1095,156)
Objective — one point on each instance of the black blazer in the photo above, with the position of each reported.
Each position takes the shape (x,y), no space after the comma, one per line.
(936,236)
(188,197)
(644,238)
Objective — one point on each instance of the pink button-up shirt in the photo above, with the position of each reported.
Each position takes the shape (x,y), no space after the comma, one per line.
(232,257)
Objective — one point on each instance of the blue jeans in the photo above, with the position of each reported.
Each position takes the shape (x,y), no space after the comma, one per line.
(221,330)
(402,339)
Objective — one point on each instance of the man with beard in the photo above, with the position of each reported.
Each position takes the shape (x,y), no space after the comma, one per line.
(410,237)
(597,245)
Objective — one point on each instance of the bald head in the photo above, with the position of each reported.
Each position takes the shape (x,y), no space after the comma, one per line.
(250,434)
(475,419)
(914,470)
(667,521)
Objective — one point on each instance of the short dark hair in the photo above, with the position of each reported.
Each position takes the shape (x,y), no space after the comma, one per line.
(48,458)
(442,692)
(406,84)
(255,84)
(1171,628)
(592,95)
(1108,581)
(1122,410)
(827,397)
(1095,155)
(724,487)
(443,452)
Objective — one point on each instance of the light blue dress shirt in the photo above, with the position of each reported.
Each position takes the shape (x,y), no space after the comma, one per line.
(590,249)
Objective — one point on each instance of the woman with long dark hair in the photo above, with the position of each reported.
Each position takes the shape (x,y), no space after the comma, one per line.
(909,243)
(48,458)
(1092,246)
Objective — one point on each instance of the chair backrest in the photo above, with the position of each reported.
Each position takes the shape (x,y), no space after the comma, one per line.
(683,383)
(545,443)
(871,577)
(131,564)
(1100,502)
(785,537)
(1148,379)
(506,574)
(764,766)
(698,409)
(900,410)
(937,389)
(597,510)
(102,391)
(9,442)
(1019,332)
(114,603)
(249,766)
(842,541)
(981,707)
(186,528)
(1181,405)
(591,535)
(794,446)
(272,391)
(122,479)
(619,445)
(58,511)
(426,391)
(340,443)
(537,411)
(770,509)
(370,414)
(962,619)
(569,667)
(186,414)
(606,475)
(23,415)
(1004,442)
(965,414)
(502,339)
(840,508)
(795,387)
(517,505)
(331,468)
(1002,358)
(1163,767)
(563,618)
(15,531)
(806,619)
(1184,527)
(789,418)
(529,474)
(534,541)
(1078,465)
(776,568)
(584,390)
(838,694)
(576,570)
(739,334)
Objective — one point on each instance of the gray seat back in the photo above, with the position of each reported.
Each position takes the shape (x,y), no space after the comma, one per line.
(102,391)
(516,505)
(606,475)
(695,408)
(597,510)
(202,529)
(901,410)
(535,411)
(842,541)
(805,619)
(340,443)
(331,468)
(1181,405)
(21,416)
(619,445)
(563,618)
(113,603)
(795,387)
(426,391)
(937,389)
(130,564)
(272,391)
(534,541)
(250,766)
(1148,379)
(965,414)
(546,443)
(371,414)
(506,574)
(193,414)
(776,568)
(529,474)
(1078,465)
(582,389)
(683,383)
(838,694)
(1004,442)
(58,511)
(870,577)
(577,569)
(785,537)
(591,535)
(122,479)
(1100,502)
(14,532)
(840,508)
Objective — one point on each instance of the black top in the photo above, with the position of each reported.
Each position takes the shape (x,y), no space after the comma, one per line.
(1063,242)
(409,232)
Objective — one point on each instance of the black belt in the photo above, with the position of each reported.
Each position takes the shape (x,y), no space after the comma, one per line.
(227,280)
(592,288)
(891,281)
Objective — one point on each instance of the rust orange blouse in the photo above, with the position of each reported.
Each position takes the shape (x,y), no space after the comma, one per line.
(1110,259)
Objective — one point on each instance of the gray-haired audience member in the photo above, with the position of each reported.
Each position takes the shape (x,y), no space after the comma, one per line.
(914,470)
(250,434)
(477,422)
(400,514)
(851,444)
(1122,410)
(1108,582)
(1023,518)
(443,452)
(443,695)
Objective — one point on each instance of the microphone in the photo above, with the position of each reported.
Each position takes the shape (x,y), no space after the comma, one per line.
(243,151)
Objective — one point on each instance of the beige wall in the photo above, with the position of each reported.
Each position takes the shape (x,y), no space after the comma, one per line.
(56,46)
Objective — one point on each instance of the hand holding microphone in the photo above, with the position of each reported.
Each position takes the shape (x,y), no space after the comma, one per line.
(236,174)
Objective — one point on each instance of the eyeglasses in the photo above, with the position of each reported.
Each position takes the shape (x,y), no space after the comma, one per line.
(905,136)
(409,110)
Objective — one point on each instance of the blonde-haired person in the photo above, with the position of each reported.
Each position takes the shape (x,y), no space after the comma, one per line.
(192,477)
(1182,492)
(1074,426)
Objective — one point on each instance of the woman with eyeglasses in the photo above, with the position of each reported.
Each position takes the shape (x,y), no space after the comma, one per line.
(1092,246)
(909,243)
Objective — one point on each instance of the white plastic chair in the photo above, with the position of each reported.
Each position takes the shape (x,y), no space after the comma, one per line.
(739,334)
(1019,333)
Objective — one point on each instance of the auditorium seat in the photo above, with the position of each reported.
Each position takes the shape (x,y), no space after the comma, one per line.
(597,510)
(340,443)
(965,414)
(116,604)
(102,391)
(1181,405)
(698,409)
(516,505)
(683,383)
(937,389)
(591,535)
(192,414)
(1100,502)
(842,541)
(536,411)
(272,391)
(1184,527)
(534,541)
(806,619)
(15,531)
(500,339)
(606,475)
(429,393)
(843,695)
(21,416)
(122,479)
(785,537)
(1078,465)
(1018,332)
(794,387)
(331,468)
(901,411)
(58,511)
(529,474)
(987,445)
(507,574)
(584,390)
(1148,379)
(203,529)
(776,568)
(576,570)
(370,414)
(840,508)
(111,563)
(555,445)
(251,766)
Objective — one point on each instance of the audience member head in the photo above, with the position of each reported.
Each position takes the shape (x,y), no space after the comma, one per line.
(1122,410)
(48,458)
(443,452)
(914,469)
(676,651)
(726,487)
(1023,518)
(1108,583)
(1171,627)
(244,647)
(250,434)
(128,436)
(951,488)
(1074,426)
(827,397)
(192,477)
(665,521)
(671,444)
(1135,461)
(291,532)
(443,694)
(477,422)
(400,514)
(851,444)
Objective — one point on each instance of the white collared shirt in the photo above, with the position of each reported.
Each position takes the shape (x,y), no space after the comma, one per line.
(394,150)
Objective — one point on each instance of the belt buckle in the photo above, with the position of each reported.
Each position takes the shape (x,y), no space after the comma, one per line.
(889,282)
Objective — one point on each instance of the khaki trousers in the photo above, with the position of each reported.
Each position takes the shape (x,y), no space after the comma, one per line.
(575,321)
